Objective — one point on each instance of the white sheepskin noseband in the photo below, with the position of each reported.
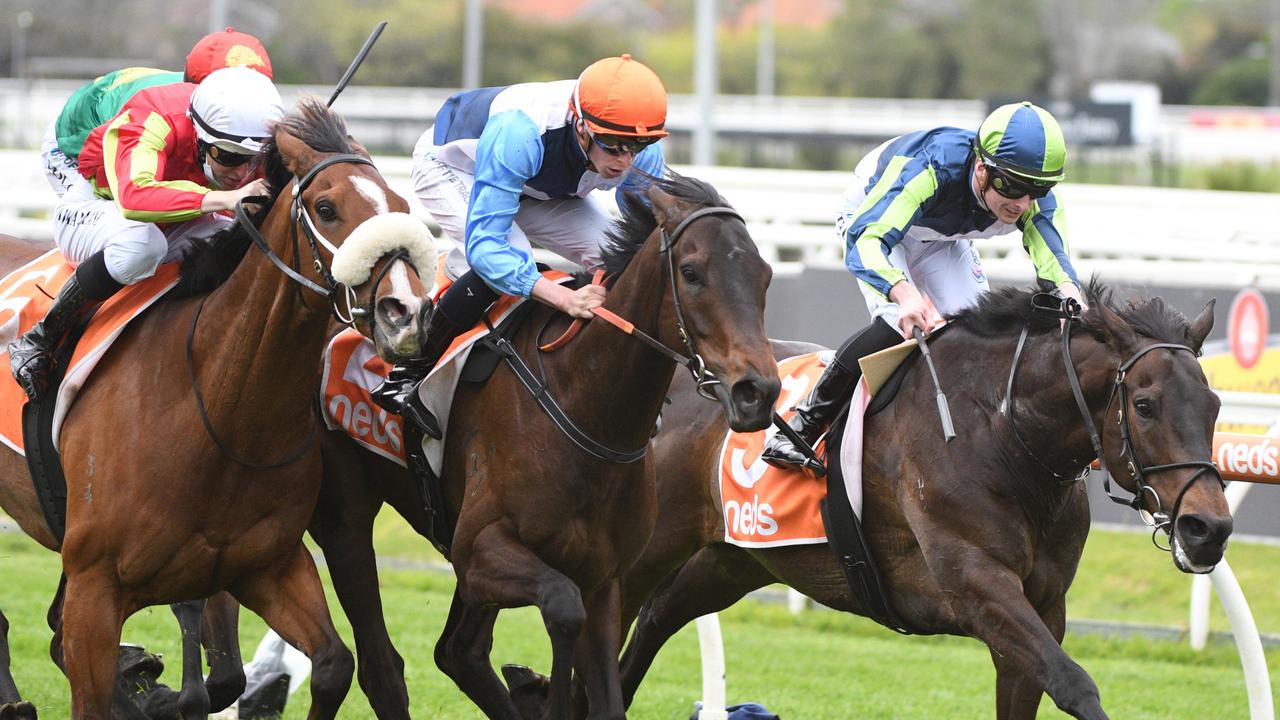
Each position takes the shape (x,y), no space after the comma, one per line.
(378,236)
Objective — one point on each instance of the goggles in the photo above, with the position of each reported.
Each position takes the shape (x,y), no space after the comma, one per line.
(226,158)
(619,144)
(1013,187)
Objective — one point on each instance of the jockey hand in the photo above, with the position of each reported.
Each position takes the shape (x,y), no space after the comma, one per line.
(1069,290)
(575,303)
(219,200)
(913,311)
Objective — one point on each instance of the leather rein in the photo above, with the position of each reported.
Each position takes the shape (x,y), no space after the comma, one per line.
(692,361)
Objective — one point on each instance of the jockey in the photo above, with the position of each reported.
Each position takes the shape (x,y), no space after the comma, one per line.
(98,101)
(161,172)
(506,168)
(909,220)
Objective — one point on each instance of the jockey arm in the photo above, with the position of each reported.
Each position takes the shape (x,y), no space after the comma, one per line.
(890,208)
(135,153)
(1044,238)
(508,153)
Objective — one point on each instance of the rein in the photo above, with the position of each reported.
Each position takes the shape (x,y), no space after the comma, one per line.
(300,216)
(693,362)
(1069,311)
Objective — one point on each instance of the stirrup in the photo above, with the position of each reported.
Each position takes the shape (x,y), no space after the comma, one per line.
(415,412)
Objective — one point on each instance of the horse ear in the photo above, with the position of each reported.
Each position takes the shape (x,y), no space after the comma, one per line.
(1201,326)
(297,155)
(666,209)
(358,148)
(1118,333)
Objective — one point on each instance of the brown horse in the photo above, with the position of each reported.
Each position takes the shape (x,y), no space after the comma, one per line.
(543,521)
(213,490)
(929,505)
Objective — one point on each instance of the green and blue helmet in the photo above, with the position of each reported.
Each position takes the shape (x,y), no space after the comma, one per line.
(1023,140)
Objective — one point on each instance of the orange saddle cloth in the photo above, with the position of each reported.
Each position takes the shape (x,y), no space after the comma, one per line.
(26,295)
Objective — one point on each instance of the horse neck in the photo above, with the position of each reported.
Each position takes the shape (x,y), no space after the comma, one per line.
(623,380)
(1044,407)
(264,342)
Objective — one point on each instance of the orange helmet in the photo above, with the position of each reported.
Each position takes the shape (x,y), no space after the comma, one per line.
(228,48)
(621,96)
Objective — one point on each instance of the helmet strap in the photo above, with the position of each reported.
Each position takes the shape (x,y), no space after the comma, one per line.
(980,189)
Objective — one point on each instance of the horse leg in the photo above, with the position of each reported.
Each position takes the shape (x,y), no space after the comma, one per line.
(1017,696)
(219,633)
(996,611)
(500,572)
(343,526)
(595,658)
(289,597)
(91,620)
(12,706)
(193,700)
(716,577)
(462,653)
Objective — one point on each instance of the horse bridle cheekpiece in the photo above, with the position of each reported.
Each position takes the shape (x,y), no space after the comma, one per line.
(1069,311)
(337,294)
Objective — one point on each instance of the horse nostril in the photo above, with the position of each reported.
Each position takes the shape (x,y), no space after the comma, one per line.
(747,394)
(393,311)
(1196,530)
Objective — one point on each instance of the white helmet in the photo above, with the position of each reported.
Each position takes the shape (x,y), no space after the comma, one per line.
(234,109)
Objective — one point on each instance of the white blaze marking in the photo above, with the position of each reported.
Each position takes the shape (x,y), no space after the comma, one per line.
(403,290)
(370,190)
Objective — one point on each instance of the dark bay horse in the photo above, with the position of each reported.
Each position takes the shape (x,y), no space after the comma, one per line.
(979,536)
(541,521)
(159,510)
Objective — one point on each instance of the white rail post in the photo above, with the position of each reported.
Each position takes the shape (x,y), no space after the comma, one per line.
(1198,626)
(712,647)
(1257,682)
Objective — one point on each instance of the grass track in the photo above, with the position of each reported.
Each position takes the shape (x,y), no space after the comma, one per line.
(820,665)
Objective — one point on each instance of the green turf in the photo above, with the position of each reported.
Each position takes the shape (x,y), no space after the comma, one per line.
(818,665)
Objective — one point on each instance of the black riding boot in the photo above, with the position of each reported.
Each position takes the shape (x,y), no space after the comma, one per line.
(832,391)
(397,393)
(31,356)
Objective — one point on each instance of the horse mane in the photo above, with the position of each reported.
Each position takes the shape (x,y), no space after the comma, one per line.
(208,262)
(637,223)
(1006,311)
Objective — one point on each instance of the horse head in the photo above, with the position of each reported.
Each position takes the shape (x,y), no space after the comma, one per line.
(718,283)
(369,256)
(1159,425)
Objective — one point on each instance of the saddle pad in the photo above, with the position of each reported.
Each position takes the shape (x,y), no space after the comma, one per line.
(352,369)
(765,506)
(349,406)
(26,295)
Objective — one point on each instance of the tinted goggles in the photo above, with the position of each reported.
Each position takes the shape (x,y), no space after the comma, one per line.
(618,144)
(1015,188)
(226,158)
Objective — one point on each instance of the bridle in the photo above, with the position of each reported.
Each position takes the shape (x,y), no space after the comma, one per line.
(342,300)
(1068,310)
(693,361)
(333,292)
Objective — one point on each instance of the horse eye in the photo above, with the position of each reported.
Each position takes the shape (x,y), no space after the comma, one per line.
(1145,407)
(326,211)
(690,275)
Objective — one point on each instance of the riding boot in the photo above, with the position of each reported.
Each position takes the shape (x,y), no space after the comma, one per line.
(31,356)
(398,393)
(829,395)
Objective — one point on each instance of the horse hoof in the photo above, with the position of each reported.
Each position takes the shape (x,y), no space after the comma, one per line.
(18,711)
(521,678)
(528,690)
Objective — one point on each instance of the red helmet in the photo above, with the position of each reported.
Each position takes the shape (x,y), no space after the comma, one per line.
(229,48)
(621,96)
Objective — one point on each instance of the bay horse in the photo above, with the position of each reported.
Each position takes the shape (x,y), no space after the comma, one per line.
(543,521)
(213,489)
(981,536)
